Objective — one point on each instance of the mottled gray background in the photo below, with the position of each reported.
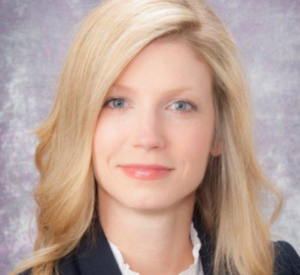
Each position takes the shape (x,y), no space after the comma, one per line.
(34,36)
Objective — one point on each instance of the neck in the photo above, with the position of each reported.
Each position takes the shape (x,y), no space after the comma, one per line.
(151,242)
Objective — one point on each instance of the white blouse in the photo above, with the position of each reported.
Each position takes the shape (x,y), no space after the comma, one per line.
(194,269)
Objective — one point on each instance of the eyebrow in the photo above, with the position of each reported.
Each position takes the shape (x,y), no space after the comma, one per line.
(130,89)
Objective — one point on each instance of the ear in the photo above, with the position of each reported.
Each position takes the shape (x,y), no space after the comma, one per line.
(216,149)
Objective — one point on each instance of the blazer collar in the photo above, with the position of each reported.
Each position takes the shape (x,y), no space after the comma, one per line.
(95,257)
(207,249)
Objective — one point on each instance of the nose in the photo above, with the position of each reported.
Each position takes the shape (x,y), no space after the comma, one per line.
(148,131)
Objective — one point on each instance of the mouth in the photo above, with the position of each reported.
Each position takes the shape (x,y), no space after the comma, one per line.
(146,166)
(146,172)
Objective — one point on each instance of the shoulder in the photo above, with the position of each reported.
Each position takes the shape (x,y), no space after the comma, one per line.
(66,266)
(26,272)
(287,261)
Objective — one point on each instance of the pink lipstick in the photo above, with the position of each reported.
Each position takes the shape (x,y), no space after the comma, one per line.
(146,172)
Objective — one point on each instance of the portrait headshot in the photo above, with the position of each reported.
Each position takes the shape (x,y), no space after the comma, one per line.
(156,137)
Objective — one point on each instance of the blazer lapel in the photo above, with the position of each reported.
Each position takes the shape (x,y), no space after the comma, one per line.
(207,246)
(94,257)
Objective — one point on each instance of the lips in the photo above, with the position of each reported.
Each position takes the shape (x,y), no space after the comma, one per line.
(146,166)
(146,171)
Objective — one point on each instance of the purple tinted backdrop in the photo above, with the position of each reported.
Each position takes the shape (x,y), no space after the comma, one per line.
(34,36)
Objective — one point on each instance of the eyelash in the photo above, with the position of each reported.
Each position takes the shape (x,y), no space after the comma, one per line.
(193,106)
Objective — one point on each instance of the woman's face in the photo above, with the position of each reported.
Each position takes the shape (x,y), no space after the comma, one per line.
(159,112)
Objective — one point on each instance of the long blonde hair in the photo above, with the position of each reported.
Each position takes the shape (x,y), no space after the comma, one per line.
(228,197)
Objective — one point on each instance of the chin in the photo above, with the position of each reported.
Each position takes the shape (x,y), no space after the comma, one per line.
(151,204)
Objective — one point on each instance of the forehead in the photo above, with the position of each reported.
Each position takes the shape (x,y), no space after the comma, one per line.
(164,65)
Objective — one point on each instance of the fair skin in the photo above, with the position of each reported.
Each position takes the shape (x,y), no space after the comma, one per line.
(149,220)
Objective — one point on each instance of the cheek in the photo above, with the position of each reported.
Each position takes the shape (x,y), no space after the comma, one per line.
(195,141)
(107,142)
(109,133)
(193,149)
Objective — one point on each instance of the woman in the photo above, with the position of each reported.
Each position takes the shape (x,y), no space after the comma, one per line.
(146,160)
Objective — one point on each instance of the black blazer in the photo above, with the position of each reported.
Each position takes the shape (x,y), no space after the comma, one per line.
(98,259)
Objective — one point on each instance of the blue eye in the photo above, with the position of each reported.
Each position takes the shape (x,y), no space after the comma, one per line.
(117,102)
(184,106)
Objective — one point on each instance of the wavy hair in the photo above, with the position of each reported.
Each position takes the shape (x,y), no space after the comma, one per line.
(228,198)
